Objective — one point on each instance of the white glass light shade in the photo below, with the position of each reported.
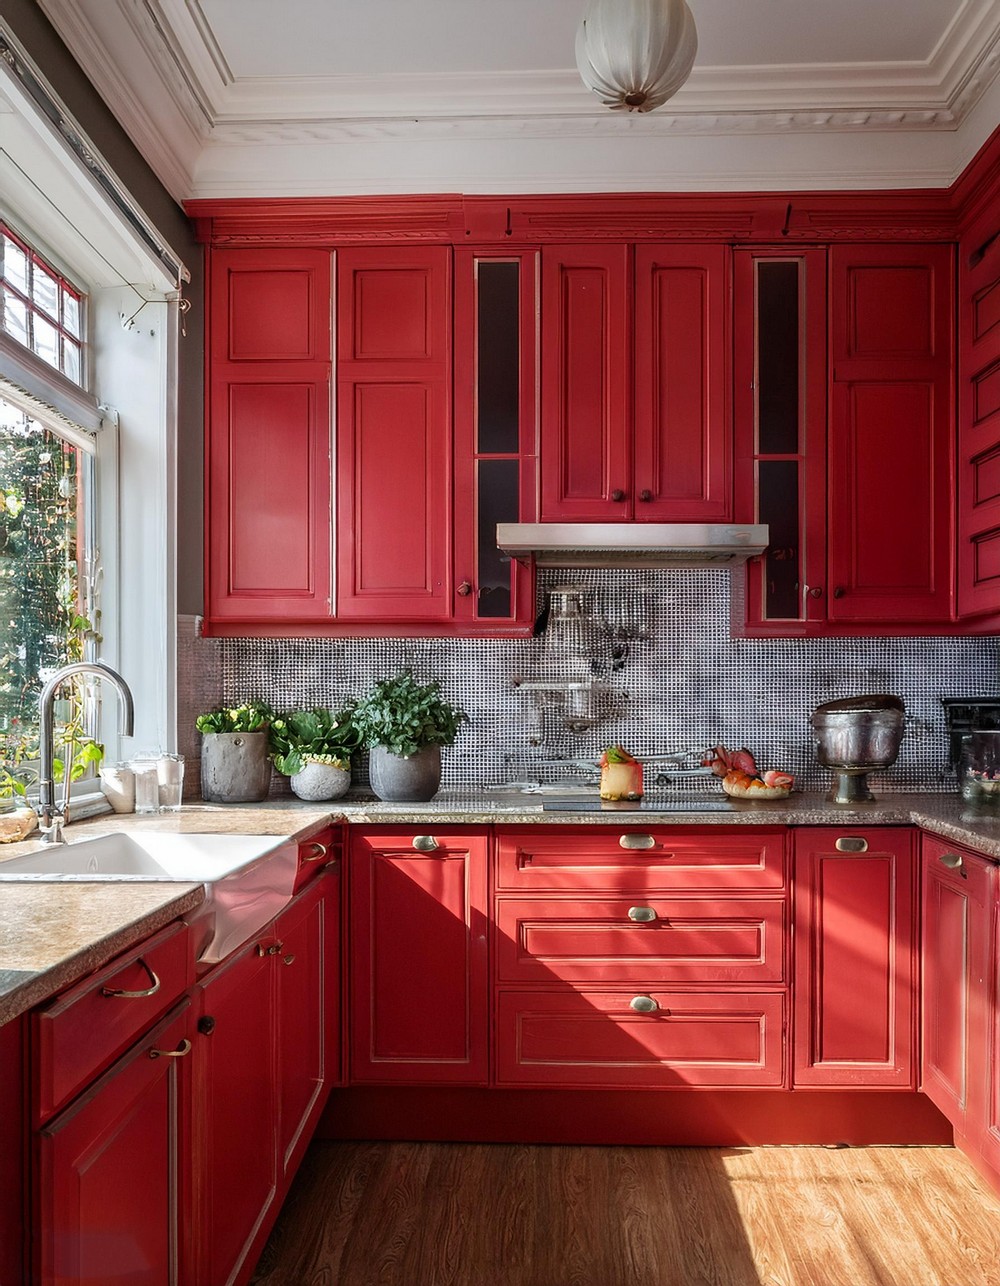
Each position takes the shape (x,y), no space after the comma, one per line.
(635,54)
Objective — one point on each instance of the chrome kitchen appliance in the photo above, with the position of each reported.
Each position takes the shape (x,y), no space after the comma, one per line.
(855,736)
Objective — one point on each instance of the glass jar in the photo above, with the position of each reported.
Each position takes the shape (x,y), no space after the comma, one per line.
(979,768)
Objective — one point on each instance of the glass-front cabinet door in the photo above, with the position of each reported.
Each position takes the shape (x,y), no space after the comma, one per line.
(495,432)
(779,403)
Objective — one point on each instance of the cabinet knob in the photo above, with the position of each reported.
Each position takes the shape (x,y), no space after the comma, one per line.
(206,1025)
(645,495)
(618,495)
(851,844)
(641,914)
(275,948)
(636,841)
(643,1004)
(815,591)
(288,960)
(465,589)
(424,843)
(181,1051)
(954,862)
(839,592)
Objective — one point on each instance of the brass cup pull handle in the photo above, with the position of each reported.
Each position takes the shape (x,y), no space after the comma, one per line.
(641,914)
(851,844)
(151,990)
(182,1049)
(288,960)
(954,862)
(636,841)
(643,1005)
(425,843)
(316,851)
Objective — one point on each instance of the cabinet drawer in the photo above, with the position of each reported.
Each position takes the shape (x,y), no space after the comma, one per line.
(585,859)
(617,941)
(80,1032)
(325,848)
(597,1038)
(961,867)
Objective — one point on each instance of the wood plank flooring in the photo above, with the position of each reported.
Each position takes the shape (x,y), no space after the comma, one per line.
(444,1214)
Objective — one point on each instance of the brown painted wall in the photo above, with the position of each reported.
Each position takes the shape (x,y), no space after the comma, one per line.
(30,26)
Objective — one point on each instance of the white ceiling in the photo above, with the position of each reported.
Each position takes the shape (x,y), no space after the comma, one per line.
(331,97)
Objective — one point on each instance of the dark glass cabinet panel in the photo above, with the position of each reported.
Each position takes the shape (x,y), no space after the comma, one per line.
(498,357)
(778,506)
(778,357)
(499,487)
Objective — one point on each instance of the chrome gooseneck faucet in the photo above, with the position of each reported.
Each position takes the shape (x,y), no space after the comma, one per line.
(52,816)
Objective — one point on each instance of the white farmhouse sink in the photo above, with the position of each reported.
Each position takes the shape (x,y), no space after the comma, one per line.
(247,878)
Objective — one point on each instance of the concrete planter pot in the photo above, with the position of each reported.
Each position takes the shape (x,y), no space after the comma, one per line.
(320,781)
(235,768)
(405,779)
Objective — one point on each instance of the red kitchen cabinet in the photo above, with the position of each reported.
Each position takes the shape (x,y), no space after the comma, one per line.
(855,930)
(645,444)
(419,982)
(267,515)
(891,424)
(394,434)
(111,1170)
(13,1212)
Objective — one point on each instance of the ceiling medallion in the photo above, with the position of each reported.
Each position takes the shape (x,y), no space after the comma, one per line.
(635,54)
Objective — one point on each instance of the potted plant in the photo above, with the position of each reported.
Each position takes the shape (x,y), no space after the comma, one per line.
(235,768)
(313,749)
(405,723)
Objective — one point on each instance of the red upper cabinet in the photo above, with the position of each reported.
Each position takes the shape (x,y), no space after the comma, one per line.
(268,522)
(891,420)
(394,433)
(634,376)
(585,446)
(682,453)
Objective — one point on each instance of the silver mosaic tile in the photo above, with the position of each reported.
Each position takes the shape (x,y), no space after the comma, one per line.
(687,685)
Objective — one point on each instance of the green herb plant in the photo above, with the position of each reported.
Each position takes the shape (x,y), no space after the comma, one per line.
(251,716)
(316,736)
(404,716)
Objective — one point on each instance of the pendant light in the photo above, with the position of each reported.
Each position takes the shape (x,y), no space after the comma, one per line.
(635,54)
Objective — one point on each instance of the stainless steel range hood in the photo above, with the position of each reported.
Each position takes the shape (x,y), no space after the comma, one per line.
(638,544)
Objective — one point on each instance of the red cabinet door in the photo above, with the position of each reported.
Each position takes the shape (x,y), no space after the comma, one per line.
(959,890)
(855,918)
(235,1125)
(13,1215)
(109,1170)
(307,984)
(585,382)
(419,982)
(682,449)
(267,516)
(394,433)
(890,479)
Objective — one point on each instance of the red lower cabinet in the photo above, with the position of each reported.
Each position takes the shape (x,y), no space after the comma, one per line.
(419,984)
(959,991)
(654,1038)
(111,1172)
(855,933)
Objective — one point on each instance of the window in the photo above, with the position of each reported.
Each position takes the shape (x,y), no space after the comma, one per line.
(40,309)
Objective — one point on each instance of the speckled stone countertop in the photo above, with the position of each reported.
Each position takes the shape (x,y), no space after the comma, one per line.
(53,934)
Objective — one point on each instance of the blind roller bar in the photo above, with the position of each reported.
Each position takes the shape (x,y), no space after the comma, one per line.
(44,393)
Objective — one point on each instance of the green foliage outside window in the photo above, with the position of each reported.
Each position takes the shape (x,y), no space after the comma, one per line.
(41,625)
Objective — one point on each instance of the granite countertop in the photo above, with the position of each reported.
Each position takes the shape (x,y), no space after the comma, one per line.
(53,934)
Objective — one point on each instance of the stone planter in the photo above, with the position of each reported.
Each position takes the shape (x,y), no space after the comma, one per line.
(320,781)
(235,768)
(405,779)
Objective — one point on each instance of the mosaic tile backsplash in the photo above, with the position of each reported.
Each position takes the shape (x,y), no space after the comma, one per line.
(652,666)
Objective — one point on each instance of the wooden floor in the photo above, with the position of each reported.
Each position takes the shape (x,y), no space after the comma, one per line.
(440,1214)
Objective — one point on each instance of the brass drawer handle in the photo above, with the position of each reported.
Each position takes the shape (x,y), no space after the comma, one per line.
(636,841)
(643,1004)
(151,990)
(182,1049)
(851,844)
(425,843)
(641,914)
(954,862)
(317,851)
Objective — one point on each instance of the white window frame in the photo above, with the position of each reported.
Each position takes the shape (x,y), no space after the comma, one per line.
(57,191)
